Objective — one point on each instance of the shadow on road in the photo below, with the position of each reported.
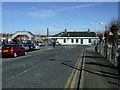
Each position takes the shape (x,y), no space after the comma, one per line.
(96,72)
(101,74)
(70,66)
(103,65)
(113,83)
(53,59)
(94,57)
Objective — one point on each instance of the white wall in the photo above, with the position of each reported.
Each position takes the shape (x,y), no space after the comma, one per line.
(85,41)
(69,41)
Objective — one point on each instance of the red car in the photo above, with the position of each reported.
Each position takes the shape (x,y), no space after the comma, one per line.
(13,50)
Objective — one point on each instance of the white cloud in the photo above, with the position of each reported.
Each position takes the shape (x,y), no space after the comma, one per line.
(74,7)
(42,14)
(52,13)
(34,8)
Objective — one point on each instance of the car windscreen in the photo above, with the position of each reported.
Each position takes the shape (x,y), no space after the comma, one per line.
(25,45)
(37,44)
(7,47)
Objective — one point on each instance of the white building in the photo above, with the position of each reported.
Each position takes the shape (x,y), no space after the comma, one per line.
(75,38)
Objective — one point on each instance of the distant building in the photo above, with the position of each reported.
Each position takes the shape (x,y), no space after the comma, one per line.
(4,36)
(75,38)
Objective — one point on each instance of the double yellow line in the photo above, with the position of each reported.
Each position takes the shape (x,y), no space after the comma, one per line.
(73,77)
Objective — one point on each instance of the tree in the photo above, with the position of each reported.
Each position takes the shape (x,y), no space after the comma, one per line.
(106,35)
(101,41)
(114,29)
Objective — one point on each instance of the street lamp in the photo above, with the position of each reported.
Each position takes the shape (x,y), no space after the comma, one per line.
(96,28)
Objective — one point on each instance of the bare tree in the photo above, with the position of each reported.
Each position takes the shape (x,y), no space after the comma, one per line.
(114,29)
(106,35)
(101,40)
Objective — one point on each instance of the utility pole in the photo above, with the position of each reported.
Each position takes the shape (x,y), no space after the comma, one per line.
(24,33)
(48,34)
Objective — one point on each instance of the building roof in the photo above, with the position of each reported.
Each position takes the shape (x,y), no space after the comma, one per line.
(75,34)
(25,31)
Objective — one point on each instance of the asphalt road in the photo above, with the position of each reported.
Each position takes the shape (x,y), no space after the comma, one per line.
(46,68)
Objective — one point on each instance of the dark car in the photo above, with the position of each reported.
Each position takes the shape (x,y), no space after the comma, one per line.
(56,43)
(13,50)
(26,46)
(31,46)
(50,43)
(36,46)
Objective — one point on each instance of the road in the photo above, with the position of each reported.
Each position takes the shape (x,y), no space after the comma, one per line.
(46,68)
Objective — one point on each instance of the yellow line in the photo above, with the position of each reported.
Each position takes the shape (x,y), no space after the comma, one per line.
(70,77)
(75,76)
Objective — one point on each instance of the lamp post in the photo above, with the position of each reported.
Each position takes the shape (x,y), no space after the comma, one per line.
(96,28)
(48,35)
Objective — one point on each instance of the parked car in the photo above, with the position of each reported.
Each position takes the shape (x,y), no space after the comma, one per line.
(37,46)
(56,43)
(26,46)
(41,43)
(50,43)
(13,50)
(31,46)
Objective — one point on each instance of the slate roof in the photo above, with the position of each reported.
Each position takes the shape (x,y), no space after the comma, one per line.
(75,34)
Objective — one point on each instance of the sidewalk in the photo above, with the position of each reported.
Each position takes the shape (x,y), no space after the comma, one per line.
(99,72)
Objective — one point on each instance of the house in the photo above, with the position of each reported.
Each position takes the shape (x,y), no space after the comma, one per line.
(75,38)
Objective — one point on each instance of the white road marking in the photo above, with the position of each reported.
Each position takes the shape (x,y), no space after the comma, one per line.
(20,73)
(19,66)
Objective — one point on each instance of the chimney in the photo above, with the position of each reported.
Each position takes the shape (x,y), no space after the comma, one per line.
(88,30)
(65,30)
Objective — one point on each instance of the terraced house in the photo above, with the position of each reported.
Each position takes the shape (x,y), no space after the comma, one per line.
(76,38)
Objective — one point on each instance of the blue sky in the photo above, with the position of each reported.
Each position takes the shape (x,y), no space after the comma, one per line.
(74,16)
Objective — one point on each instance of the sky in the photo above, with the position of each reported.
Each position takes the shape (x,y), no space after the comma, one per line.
(36,17)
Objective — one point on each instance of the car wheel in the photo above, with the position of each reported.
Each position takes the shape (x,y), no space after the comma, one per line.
(25,53)
(15,55)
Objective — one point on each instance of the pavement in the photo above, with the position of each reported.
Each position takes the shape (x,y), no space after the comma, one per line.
(98,72)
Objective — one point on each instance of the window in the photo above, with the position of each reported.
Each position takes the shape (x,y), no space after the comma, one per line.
(19,46)
(7,47)
(81,41)
(76,40)
(72,41)
(89,40)
(15,46)
(64,40)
